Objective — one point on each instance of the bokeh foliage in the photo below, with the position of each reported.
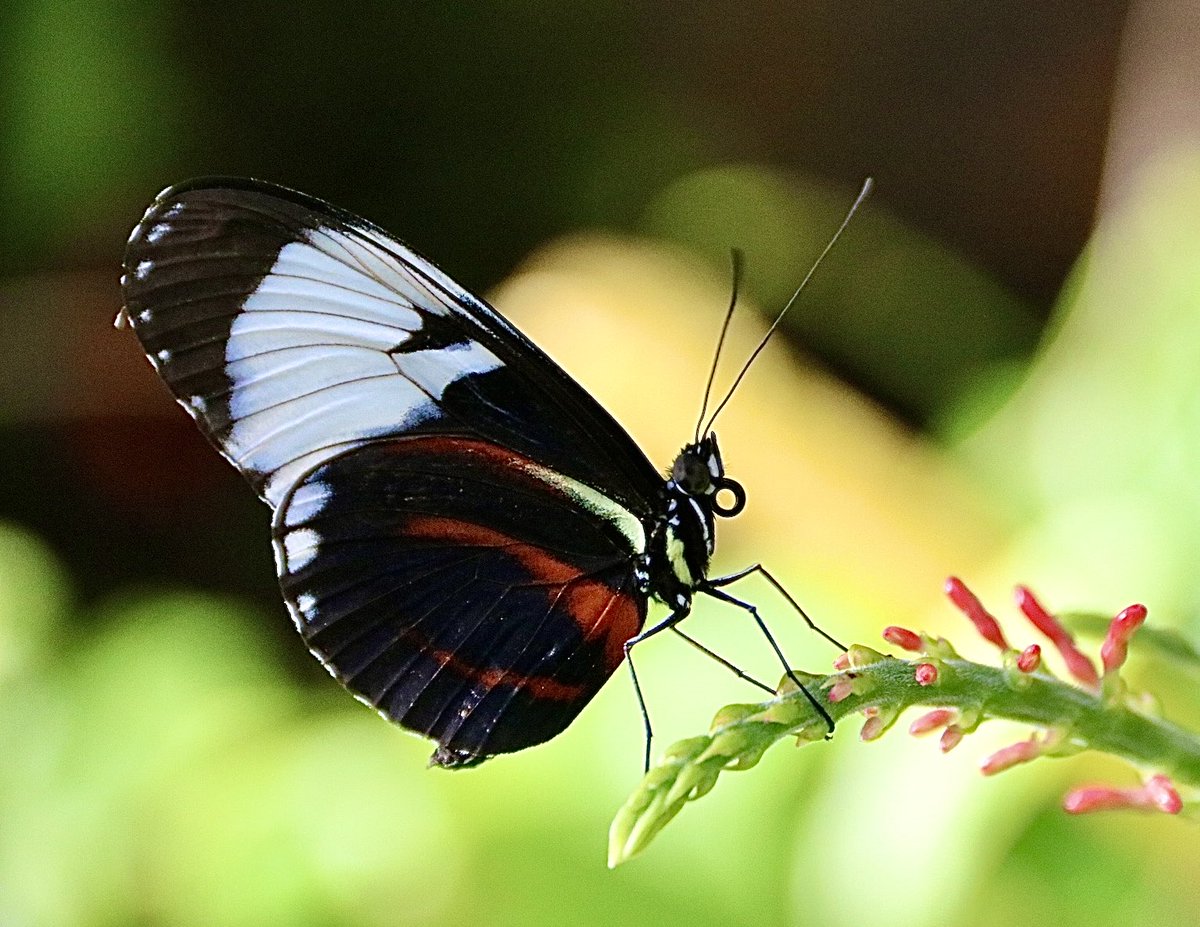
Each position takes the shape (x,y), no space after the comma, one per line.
(170,753)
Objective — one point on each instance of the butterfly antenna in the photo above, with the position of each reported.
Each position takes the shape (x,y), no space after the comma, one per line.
(867,186)
(735,261)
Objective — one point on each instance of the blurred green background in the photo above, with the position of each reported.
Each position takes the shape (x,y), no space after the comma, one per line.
(995,375)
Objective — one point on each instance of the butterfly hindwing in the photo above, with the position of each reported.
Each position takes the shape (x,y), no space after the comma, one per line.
(459,588)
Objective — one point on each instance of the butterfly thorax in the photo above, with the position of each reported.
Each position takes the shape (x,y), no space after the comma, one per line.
(682,537)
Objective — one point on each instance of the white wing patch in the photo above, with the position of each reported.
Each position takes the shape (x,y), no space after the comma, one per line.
(306,605)
(300,548)
(333,272)
(310,357)
(435,370)
(157,232)
(308,501)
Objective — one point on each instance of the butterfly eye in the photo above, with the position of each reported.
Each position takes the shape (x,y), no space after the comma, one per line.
(692,474)
(739,497)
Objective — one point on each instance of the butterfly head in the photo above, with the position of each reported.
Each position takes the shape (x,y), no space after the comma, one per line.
(699,472)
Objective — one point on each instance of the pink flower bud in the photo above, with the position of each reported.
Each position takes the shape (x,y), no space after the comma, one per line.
(1089,798)
(903,638)
(1161,791)
(872,728)
(1115,648)
(841,689)
(1157,794)
(951,737)
(931,721)
(841,661)
(1078,664)
(967,603)
(926,674)
(1013,755)
(1030,659)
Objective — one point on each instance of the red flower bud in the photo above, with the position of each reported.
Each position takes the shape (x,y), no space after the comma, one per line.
(1030,659)
(1115,648)
(968,603)
(1078,664)
(903,638)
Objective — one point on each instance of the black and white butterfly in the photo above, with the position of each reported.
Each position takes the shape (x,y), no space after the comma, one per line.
(464,537)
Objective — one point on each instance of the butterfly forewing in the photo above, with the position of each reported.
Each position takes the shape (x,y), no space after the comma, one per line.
(457,522)
(293,331)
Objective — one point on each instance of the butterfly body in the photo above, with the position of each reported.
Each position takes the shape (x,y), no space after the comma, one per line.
(463,536)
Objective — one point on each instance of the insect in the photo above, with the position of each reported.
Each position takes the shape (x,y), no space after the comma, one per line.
(463,536)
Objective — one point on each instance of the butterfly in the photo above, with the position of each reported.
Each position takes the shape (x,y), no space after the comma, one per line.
(463,536)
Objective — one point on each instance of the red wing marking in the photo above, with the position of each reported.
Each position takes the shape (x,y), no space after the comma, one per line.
(538,686)
(500,458)
(596,608)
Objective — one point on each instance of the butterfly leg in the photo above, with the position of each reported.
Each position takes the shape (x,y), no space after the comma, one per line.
(759,568)
(669,622)
(713,655)
(716,593)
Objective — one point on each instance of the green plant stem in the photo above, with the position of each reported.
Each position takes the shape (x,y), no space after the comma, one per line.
(741,733)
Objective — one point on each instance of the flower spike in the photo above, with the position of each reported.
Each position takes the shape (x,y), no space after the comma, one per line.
(956,696)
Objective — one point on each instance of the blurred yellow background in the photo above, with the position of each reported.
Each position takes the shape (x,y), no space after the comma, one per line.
(994,375)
